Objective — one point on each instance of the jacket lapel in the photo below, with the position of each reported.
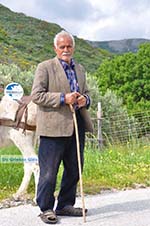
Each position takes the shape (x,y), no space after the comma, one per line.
(79,77)
(60,73)
(63,81)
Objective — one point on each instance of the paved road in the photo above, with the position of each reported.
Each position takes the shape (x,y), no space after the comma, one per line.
(123,208)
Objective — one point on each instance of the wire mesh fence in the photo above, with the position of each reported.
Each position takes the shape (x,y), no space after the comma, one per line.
(121,129)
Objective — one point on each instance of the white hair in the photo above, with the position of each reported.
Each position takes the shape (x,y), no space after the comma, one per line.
(61,34)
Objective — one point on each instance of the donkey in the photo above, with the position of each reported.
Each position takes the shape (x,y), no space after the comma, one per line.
(24,141)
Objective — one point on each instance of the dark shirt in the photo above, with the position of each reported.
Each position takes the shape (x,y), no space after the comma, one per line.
(72,78)
(71,75)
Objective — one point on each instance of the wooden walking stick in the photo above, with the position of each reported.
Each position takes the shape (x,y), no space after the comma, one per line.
(79,160)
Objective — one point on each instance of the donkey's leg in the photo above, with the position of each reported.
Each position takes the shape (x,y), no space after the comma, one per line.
(25,143)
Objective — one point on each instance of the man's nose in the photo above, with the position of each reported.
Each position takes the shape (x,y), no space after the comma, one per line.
(66,48)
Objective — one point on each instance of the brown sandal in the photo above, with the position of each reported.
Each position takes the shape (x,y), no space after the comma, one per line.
(70,211)
(49,217)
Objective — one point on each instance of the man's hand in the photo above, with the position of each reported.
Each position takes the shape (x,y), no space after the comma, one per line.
(81,101)
(75,98)
(72,98)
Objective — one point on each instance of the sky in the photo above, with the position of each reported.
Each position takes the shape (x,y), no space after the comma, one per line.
(94,20)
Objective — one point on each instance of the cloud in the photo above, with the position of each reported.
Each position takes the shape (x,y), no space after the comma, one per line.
(92,20)
(123,20)
(66,9)
(21,6)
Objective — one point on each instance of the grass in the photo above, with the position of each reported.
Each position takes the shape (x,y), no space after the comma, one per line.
(116,167)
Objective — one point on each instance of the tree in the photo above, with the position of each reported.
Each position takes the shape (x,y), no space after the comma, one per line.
(128,75)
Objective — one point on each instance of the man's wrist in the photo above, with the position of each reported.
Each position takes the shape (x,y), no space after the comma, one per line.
(88,101)
(62,98)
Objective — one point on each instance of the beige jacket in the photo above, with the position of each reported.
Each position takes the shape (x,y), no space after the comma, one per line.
(50,81)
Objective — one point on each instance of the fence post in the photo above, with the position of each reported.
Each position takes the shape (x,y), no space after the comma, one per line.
(99,125)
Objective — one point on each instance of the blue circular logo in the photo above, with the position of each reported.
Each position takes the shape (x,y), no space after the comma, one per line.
(14,90)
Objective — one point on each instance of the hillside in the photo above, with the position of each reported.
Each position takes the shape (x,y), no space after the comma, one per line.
(26,41)
(119,46)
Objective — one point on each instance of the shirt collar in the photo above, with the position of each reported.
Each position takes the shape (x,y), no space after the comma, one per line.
(67,66)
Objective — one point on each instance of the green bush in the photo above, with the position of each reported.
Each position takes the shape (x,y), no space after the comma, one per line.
(13,73)
(128,76)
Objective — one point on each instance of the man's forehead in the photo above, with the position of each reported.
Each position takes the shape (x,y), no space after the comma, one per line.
(64,38)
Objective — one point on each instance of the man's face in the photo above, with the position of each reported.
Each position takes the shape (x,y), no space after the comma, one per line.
(64,49)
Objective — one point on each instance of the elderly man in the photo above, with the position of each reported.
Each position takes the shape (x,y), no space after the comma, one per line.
(58,83)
